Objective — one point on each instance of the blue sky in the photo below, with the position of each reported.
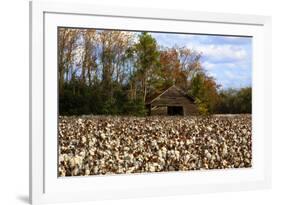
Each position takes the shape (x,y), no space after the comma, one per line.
(227,59)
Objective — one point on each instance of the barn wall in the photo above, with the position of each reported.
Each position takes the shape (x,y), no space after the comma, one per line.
(190,109)
(173,97)
(160,111)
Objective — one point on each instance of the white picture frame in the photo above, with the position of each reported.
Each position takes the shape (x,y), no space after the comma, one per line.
(46,187)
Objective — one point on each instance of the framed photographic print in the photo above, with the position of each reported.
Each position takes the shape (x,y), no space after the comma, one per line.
(129,102)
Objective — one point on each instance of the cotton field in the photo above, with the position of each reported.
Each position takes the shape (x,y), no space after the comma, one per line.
(98,145)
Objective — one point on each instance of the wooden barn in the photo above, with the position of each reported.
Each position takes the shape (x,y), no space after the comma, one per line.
(172,101)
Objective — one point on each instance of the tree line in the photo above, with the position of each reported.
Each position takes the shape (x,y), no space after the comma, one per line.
(115,72)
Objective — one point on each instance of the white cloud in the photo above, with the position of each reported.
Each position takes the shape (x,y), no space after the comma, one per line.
(223,53)
(209,65)
(230,75)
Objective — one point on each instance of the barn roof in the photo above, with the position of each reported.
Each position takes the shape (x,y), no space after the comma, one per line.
(153,98)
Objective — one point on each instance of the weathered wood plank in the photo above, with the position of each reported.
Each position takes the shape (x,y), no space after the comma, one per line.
(173,96)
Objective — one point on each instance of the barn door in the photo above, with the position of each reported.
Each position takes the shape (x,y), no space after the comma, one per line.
(175,110)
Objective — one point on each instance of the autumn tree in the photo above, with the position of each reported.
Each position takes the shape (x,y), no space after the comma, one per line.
(205,91)
(190,65)
(169,67)
(89,57)
(66,46)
